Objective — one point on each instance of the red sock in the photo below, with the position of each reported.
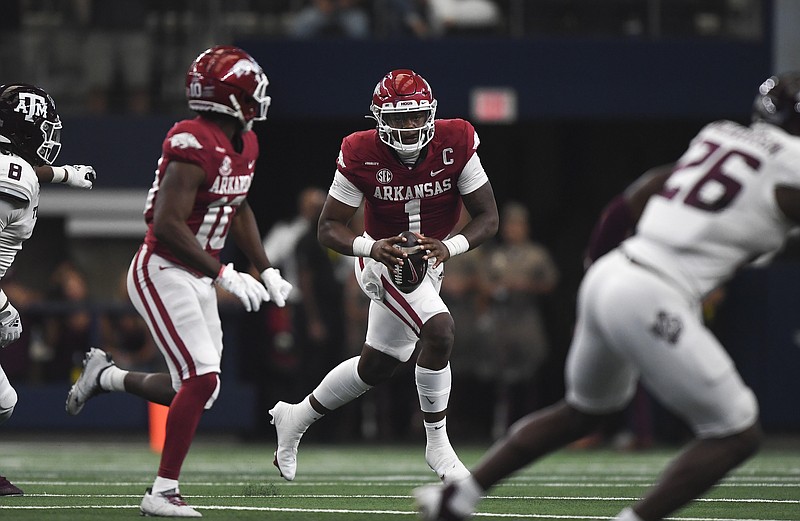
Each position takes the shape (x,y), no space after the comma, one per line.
(184,414)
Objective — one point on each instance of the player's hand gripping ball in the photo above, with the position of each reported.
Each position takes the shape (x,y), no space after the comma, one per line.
(411,273)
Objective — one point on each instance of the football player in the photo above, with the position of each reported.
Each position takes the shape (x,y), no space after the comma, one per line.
(30,140)
(198,199)
(412,172)
(734,195)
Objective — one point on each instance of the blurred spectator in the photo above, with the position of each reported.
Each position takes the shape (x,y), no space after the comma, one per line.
(282,356)
(465,290)
(281,240)
(117,53)
(68,332)
(319,328)
(398,18)
(11,64)
(320,316)
(17,357)
(521,272)
(451,16)
(347,18)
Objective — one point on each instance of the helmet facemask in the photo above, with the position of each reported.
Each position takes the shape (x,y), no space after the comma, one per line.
(51,144)
(255,107)
(407,126)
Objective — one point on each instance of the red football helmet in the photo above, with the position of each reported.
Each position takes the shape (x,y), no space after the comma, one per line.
(227,80)
(404,107)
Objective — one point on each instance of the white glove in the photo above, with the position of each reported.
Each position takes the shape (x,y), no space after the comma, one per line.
(244,286)
(77,176)
(277,287)
(10,325)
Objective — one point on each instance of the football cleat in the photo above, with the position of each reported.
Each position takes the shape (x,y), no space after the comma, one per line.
(9,489)
(432,503)
(289,432)
(445,463)
(450,502)
(88,383)
(166,504)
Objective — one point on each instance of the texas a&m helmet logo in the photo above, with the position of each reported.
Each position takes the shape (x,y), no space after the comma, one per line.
(32,105)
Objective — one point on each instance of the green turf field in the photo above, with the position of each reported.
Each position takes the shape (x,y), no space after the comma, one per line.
(104,480)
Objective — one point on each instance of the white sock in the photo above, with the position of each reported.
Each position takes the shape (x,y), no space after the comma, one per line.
(433,387)
(113,379)
(627,515)
(436,433)
(341,385)
(164,484)
(305,413)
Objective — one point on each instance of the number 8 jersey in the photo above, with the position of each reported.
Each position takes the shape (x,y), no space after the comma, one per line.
(18,181)
(717,211)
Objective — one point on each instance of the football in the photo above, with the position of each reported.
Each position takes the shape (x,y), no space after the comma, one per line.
(408,276)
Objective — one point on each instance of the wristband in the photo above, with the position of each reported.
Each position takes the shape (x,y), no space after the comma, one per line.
(3,300)
(362,246)
(456,245)
(60,174)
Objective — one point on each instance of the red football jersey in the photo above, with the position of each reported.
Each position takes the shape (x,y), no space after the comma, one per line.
(228,177)
(423,198)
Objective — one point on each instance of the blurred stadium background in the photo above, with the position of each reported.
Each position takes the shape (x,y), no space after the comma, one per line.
(573,99)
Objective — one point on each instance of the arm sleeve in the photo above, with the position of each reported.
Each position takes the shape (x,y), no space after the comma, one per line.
(344,191)
(473,176)
(615,225)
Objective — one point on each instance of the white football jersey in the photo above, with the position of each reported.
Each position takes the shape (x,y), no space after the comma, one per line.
(717,211)
(17,180)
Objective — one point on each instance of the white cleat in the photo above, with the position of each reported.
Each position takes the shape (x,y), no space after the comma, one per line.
(88,383)
(431,502)
(166,504)
(444,462)
(289,432)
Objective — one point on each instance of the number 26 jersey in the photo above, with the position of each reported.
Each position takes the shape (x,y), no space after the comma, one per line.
(717,211)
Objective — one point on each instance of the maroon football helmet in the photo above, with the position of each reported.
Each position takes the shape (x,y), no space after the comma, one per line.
(403,95)
(29,124)
(227,80)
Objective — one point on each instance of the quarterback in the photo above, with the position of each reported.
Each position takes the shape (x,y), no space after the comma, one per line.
(733,196)
(198,198)
(411,173)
